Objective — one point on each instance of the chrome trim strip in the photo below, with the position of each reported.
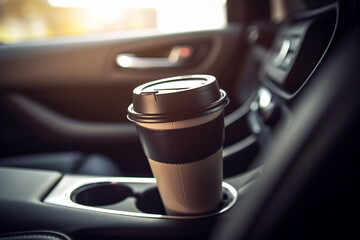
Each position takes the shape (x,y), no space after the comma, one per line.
(62,197)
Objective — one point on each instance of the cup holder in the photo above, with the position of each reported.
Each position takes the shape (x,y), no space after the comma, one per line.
(150,202)
(101,194)
(124,196)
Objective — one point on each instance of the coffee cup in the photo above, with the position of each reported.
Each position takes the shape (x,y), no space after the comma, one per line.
(180,124)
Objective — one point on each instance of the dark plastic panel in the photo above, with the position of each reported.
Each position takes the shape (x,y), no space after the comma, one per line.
(22,209)
(310,35)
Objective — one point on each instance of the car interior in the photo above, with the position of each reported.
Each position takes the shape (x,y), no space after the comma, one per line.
(72,165)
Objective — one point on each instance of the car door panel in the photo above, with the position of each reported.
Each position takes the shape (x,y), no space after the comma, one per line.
(63,63)
(70,94)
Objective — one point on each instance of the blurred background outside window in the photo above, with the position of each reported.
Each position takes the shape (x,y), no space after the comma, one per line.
(27,20)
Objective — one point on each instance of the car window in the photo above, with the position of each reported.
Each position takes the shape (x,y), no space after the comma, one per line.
(27,20)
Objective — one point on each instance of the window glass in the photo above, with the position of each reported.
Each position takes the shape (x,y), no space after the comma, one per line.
(26,20)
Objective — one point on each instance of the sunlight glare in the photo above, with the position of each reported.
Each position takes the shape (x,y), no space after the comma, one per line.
(171,15)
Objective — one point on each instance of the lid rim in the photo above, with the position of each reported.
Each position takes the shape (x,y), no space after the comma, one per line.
(208,78)
(159,118)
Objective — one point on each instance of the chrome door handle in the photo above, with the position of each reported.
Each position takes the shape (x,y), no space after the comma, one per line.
(178,56)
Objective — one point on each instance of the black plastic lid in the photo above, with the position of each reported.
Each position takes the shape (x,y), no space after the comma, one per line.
(176,98)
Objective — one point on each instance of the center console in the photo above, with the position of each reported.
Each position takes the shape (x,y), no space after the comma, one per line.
(91,207)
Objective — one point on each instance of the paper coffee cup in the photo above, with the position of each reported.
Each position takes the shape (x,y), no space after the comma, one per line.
(181,127)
